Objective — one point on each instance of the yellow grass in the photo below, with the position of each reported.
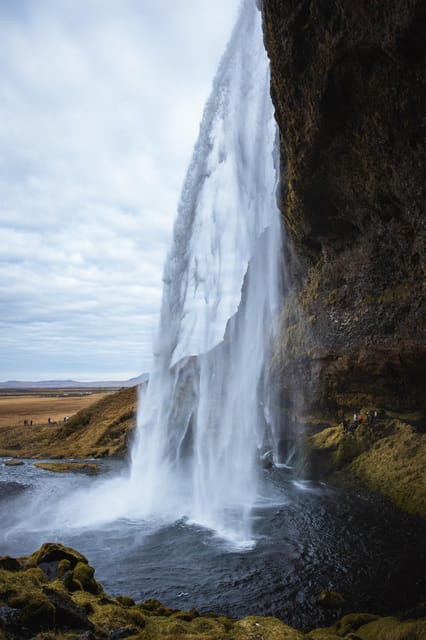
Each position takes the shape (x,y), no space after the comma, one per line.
(14,409)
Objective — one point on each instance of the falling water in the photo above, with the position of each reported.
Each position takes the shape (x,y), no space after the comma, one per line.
(206,415)
(204,419)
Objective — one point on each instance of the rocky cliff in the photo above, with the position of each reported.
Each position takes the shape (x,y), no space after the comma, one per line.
(348,85)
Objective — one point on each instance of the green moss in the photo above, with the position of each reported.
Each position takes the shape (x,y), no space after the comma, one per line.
(336,296)
(395,466)
(393,629)
(64,565)
(37,612)
(352,622)
(186,615)
(115,616)
(125,601)
(83,575)
(155,607)
(264,629)
(68,467)
(310,293)
(331,599)
(51,551)
(296,342)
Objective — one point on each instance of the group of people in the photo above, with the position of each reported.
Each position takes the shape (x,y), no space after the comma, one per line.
(358,418)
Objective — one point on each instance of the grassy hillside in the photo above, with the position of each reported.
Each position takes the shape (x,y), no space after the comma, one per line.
(99,430)
(388,456)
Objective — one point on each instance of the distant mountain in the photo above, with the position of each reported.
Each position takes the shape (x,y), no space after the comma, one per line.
(72,384)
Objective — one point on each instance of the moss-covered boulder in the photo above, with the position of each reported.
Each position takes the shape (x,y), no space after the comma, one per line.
(331,599)
(36,610)
(364,626)
(83,575)
(52,552)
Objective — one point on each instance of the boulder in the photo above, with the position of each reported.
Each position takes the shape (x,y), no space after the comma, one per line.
(53,551)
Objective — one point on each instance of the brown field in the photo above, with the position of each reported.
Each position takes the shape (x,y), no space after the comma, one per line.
(100,423)
(38,407)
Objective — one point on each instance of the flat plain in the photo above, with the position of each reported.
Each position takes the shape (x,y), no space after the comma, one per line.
(40,405)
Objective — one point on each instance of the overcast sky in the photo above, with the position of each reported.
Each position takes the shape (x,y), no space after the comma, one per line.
(100,104)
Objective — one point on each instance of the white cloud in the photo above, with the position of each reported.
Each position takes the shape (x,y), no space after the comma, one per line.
(100,103)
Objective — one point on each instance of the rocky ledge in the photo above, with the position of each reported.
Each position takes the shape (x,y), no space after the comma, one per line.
(386,455)
(53,595)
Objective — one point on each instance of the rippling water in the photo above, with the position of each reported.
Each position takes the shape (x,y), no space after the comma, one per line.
(308,537)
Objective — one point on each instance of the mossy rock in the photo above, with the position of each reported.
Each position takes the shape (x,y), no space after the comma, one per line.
(113,616)
(37,612)
(51,551)
(9,564)
(68,612)
(155,608)
(83,575)
(353,621)
(125,601)
(264,629)
(391,628)
(188,616)
(63,566)
(89,468)
(210,626)
(331,599)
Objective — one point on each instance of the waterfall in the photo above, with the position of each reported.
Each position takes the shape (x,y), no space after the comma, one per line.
(207,413)
(203,418)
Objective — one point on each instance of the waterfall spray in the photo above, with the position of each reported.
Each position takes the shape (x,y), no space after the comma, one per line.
(202,419)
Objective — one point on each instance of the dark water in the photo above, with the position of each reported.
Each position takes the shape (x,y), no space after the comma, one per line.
(307,538)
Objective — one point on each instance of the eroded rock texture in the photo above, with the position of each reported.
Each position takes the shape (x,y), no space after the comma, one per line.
(348,85)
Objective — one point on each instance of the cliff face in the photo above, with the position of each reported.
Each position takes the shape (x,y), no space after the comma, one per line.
(348,85)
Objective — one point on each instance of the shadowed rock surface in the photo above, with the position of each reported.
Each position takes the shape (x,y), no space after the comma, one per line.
(348,85)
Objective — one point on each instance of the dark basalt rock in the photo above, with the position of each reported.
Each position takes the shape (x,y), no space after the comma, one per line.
(9,564)
(348,85)
(68,613)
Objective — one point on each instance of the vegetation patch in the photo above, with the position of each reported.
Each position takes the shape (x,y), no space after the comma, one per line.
(387,455)
(69,467)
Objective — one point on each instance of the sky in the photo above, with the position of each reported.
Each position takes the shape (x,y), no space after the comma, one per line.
(100,105)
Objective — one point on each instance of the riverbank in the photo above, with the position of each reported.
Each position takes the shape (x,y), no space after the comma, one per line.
(387,455)
(53,595)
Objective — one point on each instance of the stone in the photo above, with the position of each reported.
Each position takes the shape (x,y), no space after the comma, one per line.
(83,574)
(331,599)
(9,564)
(68,613)
(52,551)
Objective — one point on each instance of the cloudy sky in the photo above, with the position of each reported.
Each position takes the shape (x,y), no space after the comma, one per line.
(100,104)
